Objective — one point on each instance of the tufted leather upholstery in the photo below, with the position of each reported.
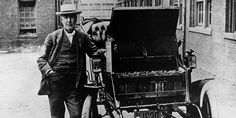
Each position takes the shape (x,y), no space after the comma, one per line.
(99,30)
(98,33)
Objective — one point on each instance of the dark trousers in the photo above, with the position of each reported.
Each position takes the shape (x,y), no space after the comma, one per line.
(64,93)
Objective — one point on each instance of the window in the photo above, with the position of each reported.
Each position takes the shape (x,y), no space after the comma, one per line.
(158,2)
(174,2)
(134,3)
(148,3)
(178,3)
(200,15)
(77,7)
(27,17)
(208,13)
(230,26)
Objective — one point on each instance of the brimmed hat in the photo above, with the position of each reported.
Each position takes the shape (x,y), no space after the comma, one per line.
(68,9)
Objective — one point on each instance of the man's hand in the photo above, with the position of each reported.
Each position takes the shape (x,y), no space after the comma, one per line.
(102,52)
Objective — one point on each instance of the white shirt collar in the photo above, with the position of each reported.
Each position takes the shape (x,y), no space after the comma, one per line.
(70,35)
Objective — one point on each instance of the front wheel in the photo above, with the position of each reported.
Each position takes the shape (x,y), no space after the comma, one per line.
(209,106)
(90,109)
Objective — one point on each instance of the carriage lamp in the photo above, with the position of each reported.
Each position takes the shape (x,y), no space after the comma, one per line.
(94,74)
(96,64)
(191,59)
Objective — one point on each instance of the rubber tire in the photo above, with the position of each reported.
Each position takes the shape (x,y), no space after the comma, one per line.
(113,113)
(209,106)
(86,111)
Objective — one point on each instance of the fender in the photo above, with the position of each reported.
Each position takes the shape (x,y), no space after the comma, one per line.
(196,90)
(205,90)
(209,95)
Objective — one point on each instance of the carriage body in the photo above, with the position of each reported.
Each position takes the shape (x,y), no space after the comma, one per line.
(143,61)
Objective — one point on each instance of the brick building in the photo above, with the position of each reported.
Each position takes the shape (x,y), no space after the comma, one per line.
(210,27)
(210,31)
(25,21)
(96,8)
(29,21)
(100,9)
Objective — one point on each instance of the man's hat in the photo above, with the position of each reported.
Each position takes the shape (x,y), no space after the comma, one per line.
(68,9)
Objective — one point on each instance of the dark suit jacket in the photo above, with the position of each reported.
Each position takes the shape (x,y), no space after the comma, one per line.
(51,50)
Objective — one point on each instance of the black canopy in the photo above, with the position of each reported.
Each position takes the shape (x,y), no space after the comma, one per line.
(145,38)
(149,27)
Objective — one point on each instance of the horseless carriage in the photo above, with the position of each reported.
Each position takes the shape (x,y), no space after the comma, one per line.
(143,71)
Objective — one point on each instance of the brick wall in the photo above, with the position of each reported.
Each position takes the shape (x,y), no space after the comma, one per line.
(45,11)
(9,25)
(230,59)
(214,52)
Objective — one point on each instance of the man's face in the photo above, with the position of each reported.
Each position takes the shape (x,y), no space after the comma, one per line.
(69,21)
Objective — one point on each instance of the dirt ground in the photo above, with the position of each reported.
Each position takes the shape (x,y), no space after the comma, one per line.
(19,83)
(20,78)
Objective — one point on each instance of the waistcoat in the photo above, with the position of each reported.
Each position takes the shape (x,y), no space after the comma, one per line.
(67,59)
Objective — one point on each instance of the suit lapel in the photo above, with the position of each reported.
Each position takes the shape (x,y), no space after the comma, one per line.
(57,48)
(59,37)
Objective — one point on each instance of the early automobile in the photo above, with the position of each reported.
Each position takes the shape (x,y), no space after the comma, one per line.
(144,71)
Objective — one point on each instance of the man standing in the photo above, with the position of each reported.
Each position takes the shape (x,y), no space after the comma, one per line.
(62,65)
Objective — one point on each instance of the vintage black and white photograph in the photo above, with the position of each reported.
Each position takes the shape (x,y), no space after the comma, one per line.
(118,59)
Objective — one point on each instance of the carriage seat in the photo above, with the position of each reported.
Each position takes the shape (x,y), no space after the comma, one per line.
(98,33)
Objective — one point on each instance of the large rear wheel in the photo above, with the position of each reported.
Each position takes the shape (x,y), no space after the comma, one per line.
(111,110)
